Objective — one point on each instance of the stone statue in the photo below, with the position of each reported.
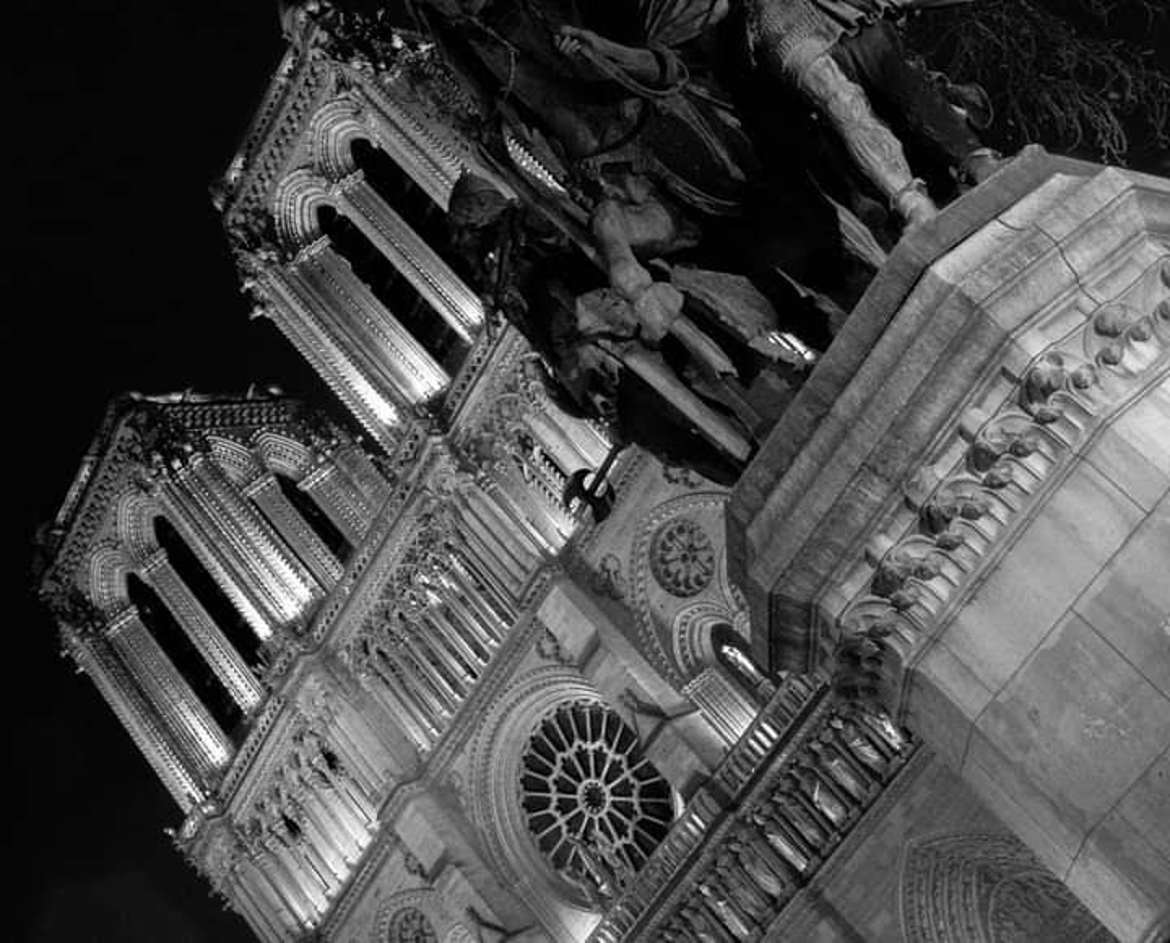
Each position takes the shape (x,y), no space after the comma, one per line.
(726,912)
(858,744)
(610,358)
(836,767)
(598,114)
(736,657)
(836,54)
(774,835)
(756,867)
(601,866)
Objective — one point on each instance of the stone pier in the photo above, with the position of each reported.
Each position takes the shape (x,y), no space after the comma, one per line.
(972,496)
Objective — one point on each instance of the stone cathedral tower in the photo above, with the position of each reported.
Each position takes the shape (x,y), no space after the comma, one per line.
(403,688)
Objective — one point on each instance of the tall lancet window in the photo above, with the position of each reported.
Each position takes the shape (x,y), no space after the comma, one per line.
(190,664)
(407,198)
(205,589)
(322,526)
(393,290)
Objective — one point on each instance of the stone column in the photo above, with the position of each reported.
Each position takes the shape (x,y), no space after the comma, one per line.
(193,728)
(717,696)
(261,561)
(203,540)
(424,152)
(326,485)
(431,277)
(205,635)
(967,506)
(309,327)
(308,547)
(402,363)
(96,658)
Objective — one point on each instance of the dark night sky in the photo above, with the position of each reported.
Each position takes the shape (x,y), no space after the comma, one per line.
(117,278)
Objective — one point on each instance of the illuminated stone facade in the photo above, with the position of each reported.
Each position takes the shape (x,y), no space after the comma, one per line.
(403,690)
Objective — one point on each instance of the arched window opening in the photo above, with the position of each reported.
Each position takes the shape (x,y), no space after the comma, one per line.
(186,658)
(393,289)
(204,587)
(410,201)
(732,653)
(317,519)
(596,806)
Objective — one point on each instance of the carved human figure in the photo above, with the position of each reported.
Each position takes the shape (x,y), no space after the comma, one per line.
(736,657)
(837,768)
(879,721)
(593,115)
(755,865)
(735,882)
(597,867)
(821,796)
(702,926)
(725,911)
(603,359)
(769,826)
(837,54)
(858,744)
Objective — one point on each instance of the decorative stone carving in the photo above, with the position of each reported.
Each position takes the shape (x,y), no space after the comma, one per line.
(1009,456)
(410,925)
(549,647)
(988,887)
(682,558)
(608,578)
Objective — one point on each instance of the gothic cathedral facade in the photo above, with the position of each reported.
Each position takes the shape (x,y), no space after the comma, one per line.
(411,674)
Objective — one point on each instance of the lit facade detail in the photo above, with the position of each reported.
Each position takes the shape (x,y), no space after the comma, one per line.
(402,687)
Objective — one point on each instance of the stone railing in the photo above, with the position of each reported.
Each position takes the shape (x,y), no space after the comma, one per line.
(793,786)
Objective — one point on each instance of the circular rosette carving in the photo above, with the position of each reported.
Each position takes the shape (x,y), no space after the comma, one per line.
(682,558)
(595,804)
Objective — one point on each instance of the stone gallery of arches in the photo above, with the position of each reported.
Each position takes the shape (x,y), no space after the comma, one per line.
(714,538)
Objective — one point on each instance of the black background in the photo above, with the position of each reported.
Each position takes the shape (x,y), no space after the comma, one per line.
(117,277)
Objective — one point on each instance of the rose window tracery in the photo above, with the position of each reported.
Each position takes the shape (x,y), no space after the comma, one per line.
(682,557)
(410,925)
(596,806)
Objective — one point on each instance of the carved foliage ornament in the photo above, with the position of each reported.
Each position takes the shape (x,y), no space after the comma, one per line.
(682,557)
(1010,454)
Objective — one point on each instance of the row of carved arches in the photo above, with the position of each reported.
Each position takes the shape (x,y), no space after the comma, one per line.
(406,316)
(188,579)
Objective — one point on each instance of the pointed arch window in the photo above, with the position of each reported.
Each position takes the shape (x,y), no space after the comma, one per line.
(317,519)
(183,654)
(205,589)
(393,289)
(407,198)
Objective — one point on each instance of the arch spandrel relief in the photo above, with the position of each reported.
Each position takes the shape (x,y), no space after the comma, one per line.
(979,888)
(680,589)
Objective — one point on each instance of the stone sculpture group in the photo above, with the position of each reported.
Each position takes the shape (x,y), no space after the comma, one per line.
(697,191)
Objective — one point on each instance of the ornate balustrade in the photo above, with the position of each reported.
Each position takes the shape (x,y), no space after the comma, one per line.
(781,801)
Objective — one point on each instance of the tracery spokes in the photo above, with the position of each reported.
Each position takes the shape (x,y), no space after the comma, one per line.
(588,792)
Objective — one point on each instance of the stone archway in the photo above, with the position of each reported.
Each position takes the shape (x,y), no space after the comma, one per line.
(988,889)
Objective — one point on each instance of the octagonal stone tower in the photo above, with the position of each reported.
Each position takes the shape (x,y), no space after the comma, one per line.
(965,513)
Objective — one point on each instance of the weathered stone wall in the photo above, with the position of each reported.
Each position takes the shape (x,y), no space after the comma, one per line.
(931,862)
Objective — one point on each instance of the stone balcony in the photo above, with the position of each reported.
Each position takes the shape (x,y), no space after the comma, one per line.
(796,783)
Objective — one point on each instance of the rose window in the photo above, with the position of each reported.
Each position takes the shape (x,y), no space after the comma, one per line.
(410,925)
(588,792)
(682,557)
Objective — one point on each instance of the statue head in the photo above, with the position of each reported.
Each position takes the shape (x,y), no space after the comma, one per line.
(475,202)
